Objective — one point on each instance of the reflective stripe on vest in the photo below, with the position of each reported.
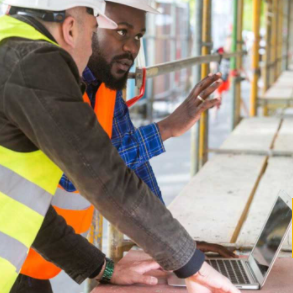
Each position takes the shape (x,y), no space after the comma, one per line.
(24,201)
(27,183)
(75,209)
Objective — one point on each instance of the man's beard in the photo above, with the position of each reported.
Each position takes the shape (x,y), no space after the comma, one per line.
(102,69)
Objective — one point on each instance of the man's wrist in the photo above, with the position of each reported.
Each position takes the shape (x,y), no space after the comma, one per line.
(164,129)
(107,271)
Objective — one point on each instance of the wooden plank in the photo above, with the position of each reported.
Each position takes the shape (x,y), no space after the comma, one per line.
(284,141)
(279,280)
(278,175)
(281,90)
(278,93)
(211,205)
(255,134)
(287,73)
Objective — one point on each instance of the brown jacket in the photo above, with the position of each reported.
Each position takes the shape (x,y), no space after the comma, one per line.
(41,107)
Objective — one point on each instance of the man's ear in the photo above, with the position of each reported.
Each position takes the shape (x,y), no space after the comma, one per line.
(70,31)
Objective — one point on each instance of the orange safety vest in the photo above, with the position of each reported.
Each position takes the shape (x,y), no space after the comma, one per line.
(74,208)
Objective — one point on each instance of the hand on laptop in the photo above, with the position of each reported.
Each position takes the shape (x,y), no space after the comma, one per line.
(208,280)
(133,273)
(210,247)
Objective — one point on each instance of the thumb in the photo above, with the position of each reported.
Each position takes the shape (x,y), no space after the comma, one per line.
(146,280)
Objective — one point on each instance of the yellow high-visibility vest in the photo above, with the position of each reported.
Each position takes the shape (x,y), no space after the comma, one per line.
(28,182)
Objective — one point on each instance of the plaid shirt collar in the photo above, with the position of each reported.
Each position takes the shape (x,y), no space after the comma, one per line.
(89,78)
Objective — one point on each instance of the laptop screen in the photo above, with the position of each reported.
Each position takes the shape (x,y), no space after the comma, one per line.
(272,235)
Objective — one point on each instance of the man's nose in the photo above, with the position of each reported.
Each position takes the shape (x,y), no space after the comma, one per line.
(132,46)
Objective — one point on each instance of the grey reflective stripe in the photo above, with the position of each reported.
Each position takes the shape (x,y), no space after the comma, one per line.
(24,191)
(12,250)
(69,200)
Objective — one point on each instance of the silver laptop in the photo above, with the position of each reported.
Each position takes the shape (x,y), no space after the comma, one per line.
(251,273)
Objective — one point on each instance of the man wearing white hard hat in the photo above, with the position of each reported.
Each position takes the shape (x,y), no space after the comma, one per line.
(46,127)
(113,55)
(110,50)
(44,47)
(41,40)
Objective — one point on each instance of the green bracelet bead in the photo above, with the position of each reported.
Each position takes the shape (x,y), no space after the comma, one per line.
(108,272)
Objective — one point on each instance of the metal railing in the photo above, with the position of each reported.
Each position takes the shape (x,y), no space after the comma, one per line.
(177,65)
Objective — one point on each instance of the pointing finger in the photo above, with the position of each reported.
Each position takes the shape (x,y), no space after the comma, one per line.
(205,83)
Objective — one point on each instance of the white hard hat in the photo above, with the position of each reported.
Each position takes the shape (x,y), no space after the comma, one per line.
(98,6)
(144,5)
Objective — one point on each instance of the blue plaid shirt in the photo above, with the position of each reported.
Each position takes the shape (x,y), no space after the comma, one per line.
(135,146)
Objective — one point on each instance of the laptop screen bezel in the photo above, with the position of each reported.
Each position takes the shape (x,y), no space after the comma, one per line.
(253,263)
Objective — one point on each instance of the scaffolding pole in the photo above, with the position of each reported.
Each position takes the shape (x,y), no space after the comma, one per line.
(95,237)
(236,63)
(196,78)
(239,59)
(276,43)
(266,71)
(206,48)
(233,63)
(255,57)
(267,66)
(280,35)
(289,9)
(271,55)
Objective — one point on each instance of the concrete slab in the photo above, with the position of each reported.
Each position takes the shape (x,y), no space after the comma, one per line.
(253,134)
(210,207)
(281,92)
(278,176)
(278,92)
(284,141)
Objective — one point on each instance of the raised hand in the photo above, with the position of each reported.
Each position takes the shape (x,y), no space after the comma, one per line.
(189,112)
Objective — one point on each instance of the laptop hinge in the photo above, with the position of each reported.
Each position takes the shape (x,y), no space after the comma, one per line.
(251,272)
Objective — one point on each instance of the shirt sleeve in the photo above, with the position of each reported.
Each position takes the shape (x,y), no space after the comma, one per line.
(44,102)
(135,146)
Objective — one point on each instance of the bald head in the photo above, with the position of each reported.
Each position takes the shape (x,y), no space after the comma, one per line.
(75,34)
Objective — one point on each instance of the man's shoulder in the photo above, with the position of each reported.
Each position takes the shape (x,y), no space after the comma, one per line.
(35,60)
(14,50)
(19,48)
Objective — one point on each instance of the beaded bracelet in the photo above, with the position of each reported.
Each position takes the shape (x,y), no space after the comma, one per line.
(108,272)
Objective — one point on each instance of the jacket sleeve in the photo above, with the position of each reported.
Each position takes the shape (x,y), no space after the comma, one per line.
(136,146)
(43,99)
(58,243)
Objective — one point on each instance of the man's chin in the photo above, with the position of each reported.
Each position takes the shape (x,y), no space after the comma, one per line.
(117,81)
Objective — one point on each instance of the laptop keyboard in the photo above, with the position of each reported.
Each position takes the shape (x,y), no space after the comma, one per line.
(232,269)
